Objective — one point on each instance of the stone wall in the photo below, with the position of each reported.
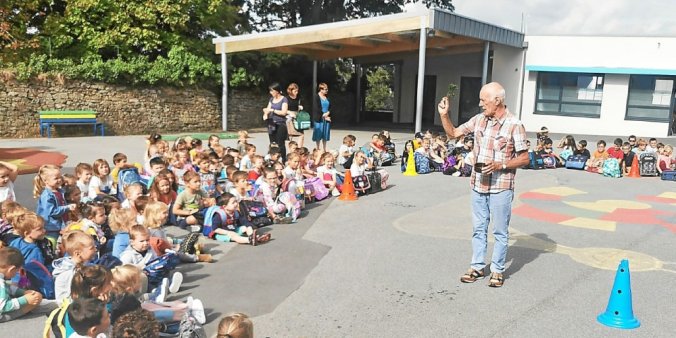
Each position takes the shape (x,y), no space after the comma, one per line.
(126,110)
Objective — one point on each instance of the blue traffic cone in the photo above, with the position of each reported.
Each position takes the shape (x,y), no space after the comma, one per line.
(619,313)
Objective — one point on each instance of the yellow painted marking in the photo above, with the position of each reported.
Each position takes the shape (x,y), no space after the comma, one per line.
(608,205)
(590,223)
(20,164)
(668,194)
(559,191)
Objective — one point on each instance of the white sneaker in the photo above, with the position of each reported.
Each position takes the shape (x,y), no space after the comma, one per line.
(159,295)
(176,280)
(335,192)
(195,228)
(197,311)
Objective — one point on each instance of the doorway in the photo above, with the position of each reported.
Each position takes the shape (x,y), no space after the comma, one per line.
(429,99)
(469,98)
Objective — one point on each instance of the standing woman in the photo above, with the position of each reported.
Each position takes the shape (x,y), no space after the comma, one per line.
(294,108)
(321,117)
(275,115)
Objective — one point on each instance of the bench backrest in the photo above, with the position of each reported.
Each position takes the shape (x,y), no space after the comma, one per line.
(67,114)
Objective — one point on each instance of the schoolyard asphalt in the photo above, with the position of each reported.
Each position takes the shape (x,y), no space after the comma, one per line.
(389,264)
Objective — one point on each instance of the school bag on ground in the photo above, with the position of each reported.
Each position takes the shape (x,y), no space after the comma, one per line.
(302,120)
(534,161)
(647,164)
(422,163)
(39,279)
(160,267)
(377,180)
(611,168)
(316,185)
(669,175)
(576,162)
(190,328)
(549,161)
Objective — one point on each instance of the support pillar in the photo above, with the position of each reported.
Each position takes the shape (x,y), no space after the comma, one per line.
(224,98)
(421,73)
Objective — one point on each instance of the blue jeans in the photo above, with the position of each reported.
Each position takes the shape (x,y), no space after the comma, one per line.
(499,205)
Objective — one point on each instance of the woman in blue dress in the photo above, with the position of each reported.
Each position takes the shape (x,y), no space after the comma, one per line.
(321,116)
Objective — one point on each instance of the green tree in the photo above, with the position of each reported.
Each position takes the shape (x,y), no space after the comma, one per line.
(273,14)
(379,93)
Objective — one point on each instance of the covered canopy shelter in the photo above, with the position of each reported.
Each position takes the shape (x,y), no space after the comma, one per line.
(433,31)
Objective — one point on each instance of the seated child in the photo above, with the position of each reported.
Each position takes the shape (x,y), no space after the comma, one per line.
(180,166)
(665,160)
(305,164)
(548,151)
(274,155)
(155,215)
(72,195)
(94,216)
(378,151)
(120,163)
(8,174)
(280,204)
(196,149)
(89,282)
(9,211)
(358,172)
(224,223)
(127,281)
(257,169)
(241,186)
(616,150)
(139,253)
(81,249)
(595,163)
(14,302)
(246,163)
(346,150)
(329,175)
(120,221)
(582,149)
(88,317)
(293,177)
(190,203)
(31,241)
(101,182)
(236,325)
(207,177)
(156,166)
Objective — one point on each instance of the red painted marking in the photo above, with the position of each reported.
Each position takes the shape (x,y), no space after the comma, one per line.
(656,199)
(646,217)
(528,211)
(540,196)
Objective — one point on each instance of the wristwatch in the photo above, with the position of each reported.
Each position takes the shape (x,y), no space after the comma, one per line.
(504,166)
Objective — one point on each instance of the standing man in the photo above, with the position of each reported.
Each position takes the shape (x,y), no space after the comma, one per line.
(499,148)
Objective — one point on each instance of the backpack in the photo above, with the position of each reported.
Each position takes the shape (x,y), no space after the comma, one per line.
(576,162)
(40,279)
(190,328)
(534,161)
(189,242)
(126,177)
(159,268)
(207,228)
(302,120)
(549,161)
(56,323)
(422,163)
(647,164)
(316,185)
(611,168)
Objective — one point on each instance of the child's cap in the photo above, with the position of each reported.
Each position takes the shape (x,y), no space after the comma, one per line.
(419,135)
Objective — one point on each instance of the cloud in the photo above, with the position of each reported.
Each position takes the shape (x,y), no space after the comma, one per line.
(576,17)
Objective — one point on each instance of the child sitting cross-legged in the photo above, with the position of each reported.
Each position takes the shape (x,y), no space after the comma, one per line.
(191,202)
(140,254)
(224,223)
(81,249)
(127,281)
(14,302)
(155,215)
(282,206)
(327,172)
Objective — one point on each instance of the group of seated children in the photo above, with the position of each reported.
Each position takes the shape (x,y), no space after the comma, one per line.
(433,152)
(652,157)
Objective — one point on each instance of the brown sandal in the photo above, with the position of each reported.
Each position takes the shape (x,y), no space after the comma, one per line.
(472,276)
(263,238)
(496,280)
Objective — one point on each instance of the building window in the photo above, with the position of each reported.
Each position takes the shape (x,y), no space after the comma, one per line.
(649,98)
(569,94)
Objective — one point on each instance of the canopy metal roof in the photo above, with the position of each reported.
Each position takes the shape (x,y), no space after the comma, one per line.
(447,33)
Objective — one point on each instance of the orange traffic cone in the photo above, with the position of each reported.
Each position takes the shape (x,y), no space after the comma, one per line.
(633,172)
(348,193)
(410,165)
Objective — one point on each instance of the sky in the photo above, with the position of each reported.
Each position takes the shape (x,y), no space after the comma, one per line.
(576,17)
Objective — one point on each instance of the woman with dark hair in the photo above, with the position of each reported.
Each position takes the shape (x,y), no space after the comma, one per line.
(275,115)
(321,117)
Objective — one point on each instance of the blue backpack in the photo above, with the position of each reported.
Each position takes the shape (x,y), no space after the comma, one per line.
(422,163)
(159,268)
(40,279)
(126,177)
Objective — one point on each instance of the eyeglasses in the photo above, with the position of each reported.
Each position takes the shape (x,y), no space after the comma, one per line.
(632,140)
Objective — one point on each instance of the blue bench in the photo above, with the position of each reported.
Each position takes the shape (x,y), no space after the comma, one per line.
(48,118)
